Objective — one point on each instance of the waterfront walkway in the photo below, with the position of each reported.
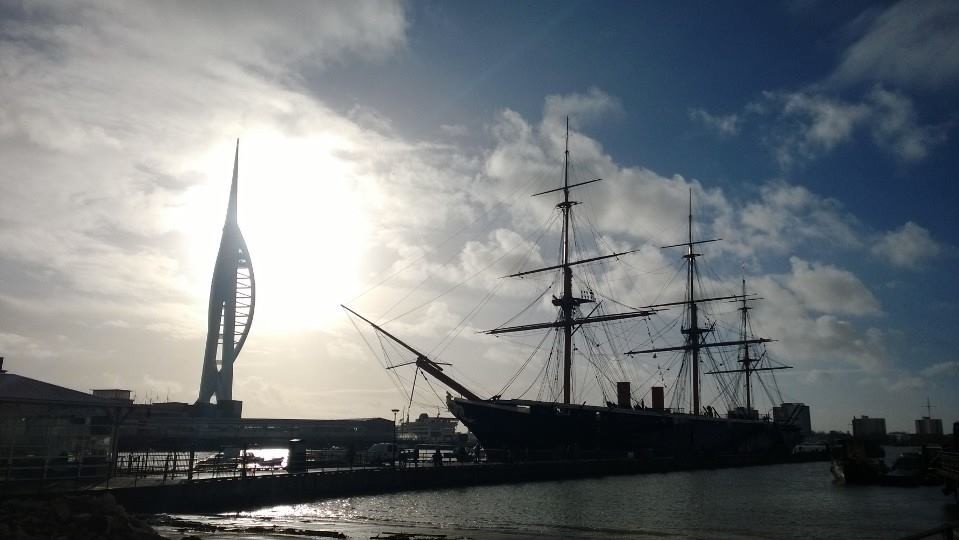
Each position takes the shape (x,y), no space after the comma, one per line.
(235,493)
(255,491)
(160,488)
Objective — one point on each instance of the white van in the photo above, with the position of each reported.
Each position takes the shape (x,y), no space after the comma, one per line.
(380,454)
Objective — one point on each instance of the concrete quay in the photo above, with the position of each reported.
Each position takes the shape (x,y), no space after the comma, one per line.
(212,495)
(237,493)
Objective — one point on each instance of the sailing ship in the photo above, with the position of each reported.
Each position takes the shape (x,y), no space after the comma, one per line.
(561,428)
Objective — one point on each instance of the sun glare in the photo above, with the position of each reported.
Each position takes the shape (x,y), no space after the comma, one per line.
(303,220)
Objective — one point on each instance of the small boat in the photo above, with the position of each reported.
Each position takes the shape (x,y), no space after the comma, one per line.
(217,462)
(858,462)
(913,469)
(270,463)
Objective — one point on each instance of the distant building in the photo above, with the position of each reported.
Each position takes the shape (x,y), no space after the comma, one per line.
(929,426)
(163,426)
(797,413)
(868,428)
(114,393)
(426,429)
(48,431)
(900,437)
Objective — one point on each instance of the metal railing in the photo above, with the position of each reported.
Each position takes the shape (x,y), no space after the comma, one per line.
(53,453)
(946,531)
(948,465)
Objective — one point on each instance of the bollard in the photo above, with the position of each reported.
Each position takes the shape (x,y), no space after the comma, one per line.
(296,461)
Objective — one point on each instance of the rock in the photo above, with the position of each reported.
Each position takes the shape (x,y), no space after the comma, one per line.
(61,509)
(73,517)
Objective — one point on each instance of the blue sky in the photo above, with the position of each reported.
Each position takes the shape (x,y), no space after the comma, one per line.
(818,138)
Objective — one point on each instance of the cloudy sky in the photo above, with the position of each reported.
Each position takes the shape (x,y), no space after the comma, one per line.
(387,155)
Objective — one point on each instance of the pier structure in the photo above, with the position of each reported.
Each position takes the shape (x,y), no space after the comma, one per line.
(232,301)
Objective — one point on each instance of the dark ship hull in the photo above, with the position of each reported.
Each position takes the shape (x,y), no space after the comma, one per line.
(518,429)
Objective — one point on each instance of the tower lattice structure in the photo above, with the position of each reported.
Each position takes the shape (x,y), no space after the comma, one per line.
(232,299)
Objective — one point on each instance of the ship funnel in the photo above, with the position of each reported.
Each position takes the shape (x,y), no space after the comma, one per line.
(622,395)
(658,398)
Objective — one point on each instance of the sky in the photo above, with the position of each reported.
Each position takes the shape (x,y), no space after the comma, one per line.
(387,155)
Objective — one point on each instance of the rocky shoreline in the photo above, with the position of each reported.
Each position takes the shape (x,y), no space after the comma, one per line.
(71,517)
(194,529)
(100,517)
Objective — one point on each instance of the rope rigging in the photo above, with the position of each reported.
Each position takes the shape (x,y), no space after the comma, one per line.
(580,360)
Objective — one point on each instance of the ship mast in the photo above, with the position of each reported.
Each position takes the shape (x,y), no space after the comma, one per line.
(568,303)
(693,331)
(422,361)
(694,341)
(749,363)
(746,361)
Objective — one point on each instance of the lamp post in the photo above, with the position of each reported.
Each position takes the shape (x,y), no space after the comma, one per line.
(394,436)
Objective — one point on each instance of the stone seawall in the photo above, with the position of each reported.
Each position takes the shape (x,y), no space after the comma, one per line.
(229,494)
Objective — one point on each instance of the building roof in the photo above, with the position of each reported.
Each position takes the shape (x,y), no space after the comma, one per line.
(17,388)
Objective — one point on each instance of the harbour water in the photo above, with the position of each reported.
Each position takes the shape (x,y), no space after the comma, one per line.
(776,502)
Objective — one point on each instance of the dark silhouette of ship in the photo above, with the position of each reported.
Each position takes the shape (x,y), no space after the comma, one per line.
(629,428)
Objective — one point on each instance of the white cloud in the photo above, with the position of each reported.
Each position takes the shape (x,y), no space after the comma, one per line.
(454,130)
(896,128)
(813,124)
(829,122)
(581,109)
(913,43)
(785,216)
(904,382)
(726,125)
(807,338)
(109,116)
(160,389)
(942,369)
(117,323)
(16,345)
(810,124)
(907,247)
(116,130)
(826,289)
(634,201)
(370,118)
(506,252)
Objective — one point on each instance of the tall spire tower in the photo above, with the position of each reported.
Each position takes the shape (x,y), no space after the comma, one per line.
(232,298)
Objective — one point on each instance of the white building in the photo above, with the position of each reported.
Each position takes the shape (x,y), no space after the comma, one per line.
(426,429)
(798,413)
(929,426)
(868,428)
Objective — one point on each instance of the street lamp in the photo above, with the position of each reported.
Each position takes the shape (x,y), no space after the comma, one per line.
(394,436)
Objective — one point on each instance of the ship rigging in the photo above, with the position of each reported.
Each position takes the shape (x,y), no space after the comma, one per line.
(558,426)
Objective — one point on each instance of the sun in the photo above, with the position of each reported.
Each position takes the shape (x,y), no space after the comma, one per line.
(303,219)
